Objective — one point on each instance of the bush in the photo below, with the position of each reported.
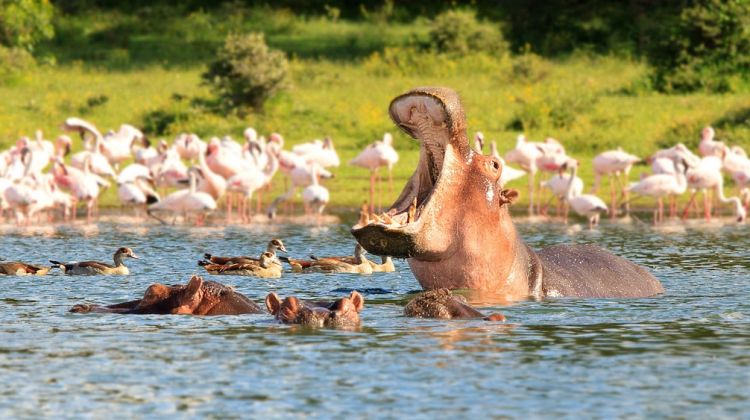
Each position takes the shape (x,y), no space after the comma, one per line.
(706,49)
(23,23)
(459,32)
(246,72)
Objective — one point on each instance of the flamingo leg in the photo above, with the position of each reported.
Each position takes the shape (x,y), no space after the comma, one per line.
(661,210)
(612,196)
(531,192)
(379,183)
(689,204)
(706,206)
(372,192)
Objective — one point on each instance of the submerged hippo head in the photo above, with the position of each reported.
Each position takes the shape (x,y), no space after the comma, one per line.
(197,297)
(442,304)
(452,213)
(342,313)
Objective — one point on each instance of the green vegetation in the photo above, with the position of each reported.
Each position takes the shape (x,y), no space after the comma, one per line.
(246,73)
(145,67)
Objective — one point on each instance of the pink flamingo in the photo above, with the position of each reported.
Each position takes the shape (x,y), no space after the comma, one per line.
(375,155)
(315,196)
(708,146)
(706,177)
(615,164)
(662,185)
(252,180)
(187,201)
(189,146)
(587,205)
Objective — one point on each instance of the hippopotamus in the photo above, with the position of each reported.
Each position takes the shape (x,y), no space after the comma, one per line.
(443,304)
(197,297)
(453,224)
(342,313)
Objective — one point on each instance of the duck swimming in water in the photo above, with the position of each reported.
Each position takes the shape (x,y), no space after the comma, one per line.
(95,267)
(386,262)
(266,267)
(16,268)
(273,246)
(359,264)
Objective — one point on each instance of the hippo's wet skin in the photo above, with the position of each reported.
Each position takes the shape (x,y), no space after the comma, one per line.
(442,304)
(453,224)
(197,297)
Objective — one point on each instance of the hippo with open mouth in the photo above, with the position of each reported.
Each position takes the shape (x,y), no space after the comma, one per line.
(453,224)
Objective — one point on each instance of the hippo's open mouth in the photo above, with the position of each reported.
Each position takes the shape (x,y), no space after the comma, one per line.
(423,116)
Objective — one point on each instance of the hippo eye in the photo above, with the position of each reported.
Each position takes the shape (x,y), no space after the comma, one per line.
(495,165)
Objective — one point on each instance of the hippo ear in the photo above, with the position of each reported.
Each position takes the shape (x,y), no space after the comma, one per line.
(273,303)
(357,300)
(194,285)
(508,196)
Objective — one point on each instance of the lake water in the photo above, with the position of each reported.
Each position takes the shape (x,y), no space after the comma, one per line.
(683,354)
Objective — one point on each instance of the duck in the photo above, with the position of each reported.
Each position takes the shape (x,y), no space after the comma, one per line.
(273,246)
(265,267)
(386,262)
(95,267)
(17,268)
(359,264)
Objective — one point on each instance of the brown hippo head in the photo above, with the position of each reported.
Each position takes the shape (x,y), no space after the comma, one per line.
(442,304)
(197,297)
(451,220)
(342,313)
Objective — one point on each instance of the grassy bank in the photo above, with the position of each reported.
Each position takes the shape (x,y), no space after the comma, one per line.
(343,75)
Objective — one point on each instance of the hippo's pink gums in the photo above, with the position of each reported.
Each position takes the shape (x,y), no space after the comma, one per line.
(452,221)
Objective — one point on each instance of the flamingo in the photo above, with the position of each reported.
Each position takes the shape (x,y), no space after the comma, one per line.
(706,177)
(558,184)
(98,162)
(708,146)
(189,146)
(117,145)
(252,180)
(530,157)
(315,196)
(525,155)
(137,193)
(322,153)
(662,185)
(187,201)
(616,164)
(85,129)
(375,155)
(300,176)
(587,205)
(82,183)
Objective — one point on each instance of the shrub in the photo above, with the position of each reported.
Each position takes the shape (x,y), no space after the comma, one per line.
(246,72)
(459,32)
(23,23)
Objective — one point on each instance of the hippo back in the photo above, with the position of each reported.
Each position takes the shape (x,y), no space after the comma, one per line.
(588,271)
(234,303)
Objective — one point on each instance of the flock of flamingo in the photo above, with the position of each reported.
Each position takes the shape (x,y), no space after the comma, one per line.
(201,174)
(674,171)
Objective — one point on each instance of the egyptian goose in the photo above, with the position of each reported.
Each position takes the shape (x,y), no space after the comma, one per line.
(95,267)
(16,268)
(265,268)
(386,262)
(359,265)
(273,246)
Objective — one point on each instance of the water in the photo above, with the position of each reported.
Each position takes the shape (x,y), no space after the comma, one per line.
(682,354)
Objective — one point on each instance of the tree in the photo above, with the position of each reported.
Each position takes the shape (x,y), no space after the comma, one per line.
(706,48)
(246,72)
(23,23)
